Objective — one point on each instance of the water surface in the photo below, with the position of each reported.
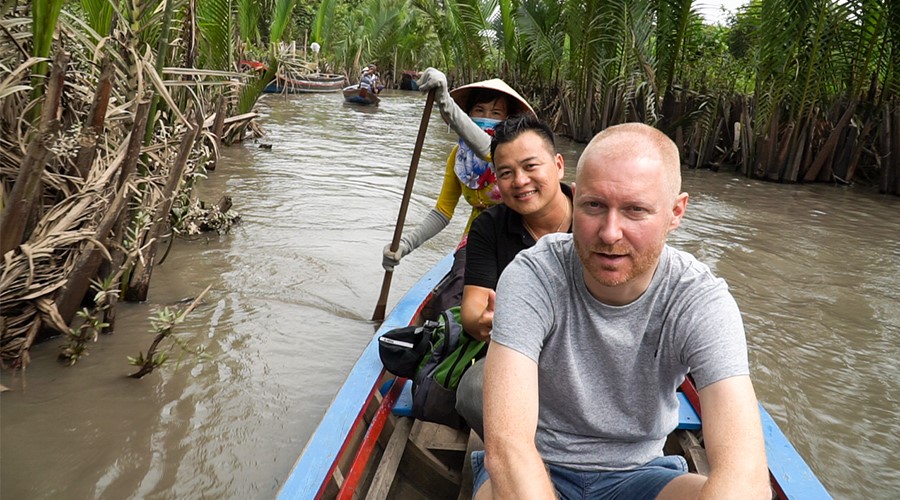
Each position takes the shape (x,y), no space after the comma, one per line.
(814,269)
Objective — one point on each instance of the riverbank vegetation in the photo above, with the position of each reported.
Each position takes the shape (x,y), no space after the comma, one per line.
(111,110)
(109,114)
(788,91)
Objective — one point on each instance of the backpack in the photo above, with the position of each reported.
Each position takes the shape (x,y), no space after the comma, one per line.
(449,291)
(447,351)
(402,349)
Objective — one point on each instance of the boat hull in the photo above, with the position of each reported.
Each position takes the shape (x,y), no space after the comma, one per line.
(356,95)
(314,83)
(344,422)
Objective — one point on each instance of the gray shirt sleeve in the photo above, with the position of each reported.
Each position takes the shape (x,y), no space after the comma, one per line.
(523,312)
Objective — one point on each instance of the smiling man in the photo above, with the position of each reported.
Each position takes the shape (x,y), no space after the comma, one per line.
(535,203)
(529,172)
(593,333)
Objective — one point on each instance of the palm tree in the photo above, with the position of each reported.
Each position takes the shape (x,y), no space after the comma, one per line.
(818,60)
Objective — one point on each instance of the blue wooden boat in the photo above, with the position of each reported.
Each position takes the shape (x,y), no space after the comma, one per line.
(354,94)
(368,446)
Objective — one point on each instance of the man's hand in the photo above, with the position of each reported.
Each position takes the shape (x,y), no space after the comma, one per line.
(478,311)
(733,438)
(486,319)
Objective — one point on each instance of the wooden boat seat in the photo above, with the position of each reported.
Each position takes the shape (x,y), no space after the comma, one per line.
(687,417)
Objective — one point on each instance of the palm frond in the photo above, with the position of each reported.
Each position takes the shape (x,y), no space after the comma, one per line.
(324,20)
(215,21)
(99,15)
(508,29)
(542,41)
(443,28)
(673,19)
(280,19)
(891,51)
(248,15)
(44,15)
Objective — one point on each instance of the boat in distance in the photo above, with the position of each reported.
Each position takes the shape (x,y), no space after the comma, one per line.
(354,94)
(314,82)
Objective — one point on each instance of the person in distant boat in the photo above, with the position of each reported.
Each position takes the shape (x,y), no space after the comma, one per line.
(369,79)
(408,80)
(535,203)
(472,111)
(594,331)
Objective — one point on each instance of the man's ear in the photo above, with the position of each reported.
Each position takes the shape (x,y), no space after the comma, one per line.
(678,210)
(561,165)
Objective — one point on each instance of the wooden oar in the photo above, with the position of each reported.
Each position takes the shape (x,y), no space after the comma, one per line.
(404,205)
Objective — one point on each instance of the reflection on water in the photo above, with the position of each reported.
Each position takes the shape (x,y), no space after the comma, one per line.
(813,267)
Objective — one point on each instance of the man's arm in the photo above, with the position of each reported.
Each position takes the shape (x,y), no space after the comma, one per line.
(481,276)
(510,421)
(732,435)
(478,311)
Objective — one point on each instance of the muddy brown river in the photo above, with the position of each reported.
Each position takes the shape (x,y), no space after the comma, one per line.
(814,268)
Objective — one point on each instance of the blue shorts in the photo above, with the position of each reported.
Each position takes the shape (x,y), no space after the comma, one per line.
(644,482)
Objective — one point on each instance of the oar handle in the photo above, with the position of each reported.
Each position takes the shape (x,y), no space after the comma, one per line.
(380,307)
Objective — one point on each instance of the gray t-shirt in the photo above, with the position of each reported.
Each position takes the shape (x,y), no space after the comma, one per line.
(607,375)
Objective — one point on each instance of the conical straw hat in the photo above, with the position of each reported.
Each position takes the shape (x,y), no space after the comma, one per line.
(461,94)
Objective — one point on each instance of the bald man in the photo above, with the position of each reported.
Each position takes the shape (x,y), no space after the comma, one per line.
(593,333)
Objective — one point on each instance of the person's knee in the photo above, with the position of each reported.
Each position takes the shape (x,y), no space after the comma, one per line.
(470,398)
(481,485)
(484,491)
(684,486)
(469,392)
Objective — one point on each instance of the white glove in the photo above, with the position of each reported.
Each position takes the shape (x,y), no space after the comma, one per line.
(433,223)
(477,139)
(391,259)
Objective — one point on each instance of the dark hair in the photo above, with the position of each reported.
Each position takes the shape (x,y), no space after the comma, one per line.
(514,126)
(478,96)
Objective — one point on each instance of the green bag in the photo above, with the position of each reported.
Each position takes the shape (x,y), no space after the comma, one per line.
(434,386)
(451,369)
